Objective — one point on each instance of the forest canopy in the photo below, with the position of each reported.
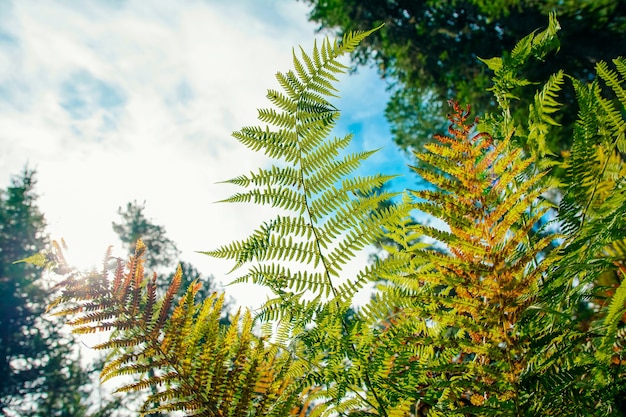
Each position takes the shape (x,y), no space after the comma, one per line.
(430,52)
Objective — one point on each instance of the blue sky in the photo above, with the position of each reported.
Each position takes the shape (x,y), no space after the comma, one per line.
(114,101)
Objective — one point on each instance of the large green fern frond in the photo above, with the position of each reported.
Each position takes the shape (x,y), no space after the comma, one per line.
(595,169)
(327,215)
(540,113)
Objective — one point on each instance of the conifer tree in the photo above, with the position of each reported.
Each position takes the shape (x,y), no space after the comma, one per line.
(134,225)
(40,367)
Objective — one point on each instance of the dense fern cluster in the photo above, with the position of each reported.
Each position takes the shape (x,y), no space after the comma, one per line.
(515,307)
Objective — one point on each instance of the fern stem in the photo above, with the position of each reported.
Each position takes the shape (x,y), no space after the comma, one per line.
(509,359)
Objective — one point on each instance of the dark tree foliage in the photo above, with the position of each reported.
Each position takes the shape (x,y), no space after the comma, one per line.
(430,50)
(40,371)
(134,225)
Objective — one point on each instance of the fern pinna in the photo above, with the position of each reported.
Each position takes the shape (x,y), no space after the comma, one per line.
(176,345)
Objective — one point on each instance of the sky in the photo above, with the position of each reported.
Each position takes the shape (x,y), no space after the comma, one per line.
(115,101)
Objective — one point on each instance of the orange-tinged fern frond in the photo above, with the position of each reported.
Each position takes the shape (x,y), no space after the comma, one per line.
(471,289)
(160,346)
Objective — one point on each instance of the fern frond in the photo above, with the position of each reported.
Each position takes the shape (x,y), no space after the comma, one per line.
(329,215)
(508,79)
(614,317)
(579,318)
(458,309)
(594,166)
(159,347)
